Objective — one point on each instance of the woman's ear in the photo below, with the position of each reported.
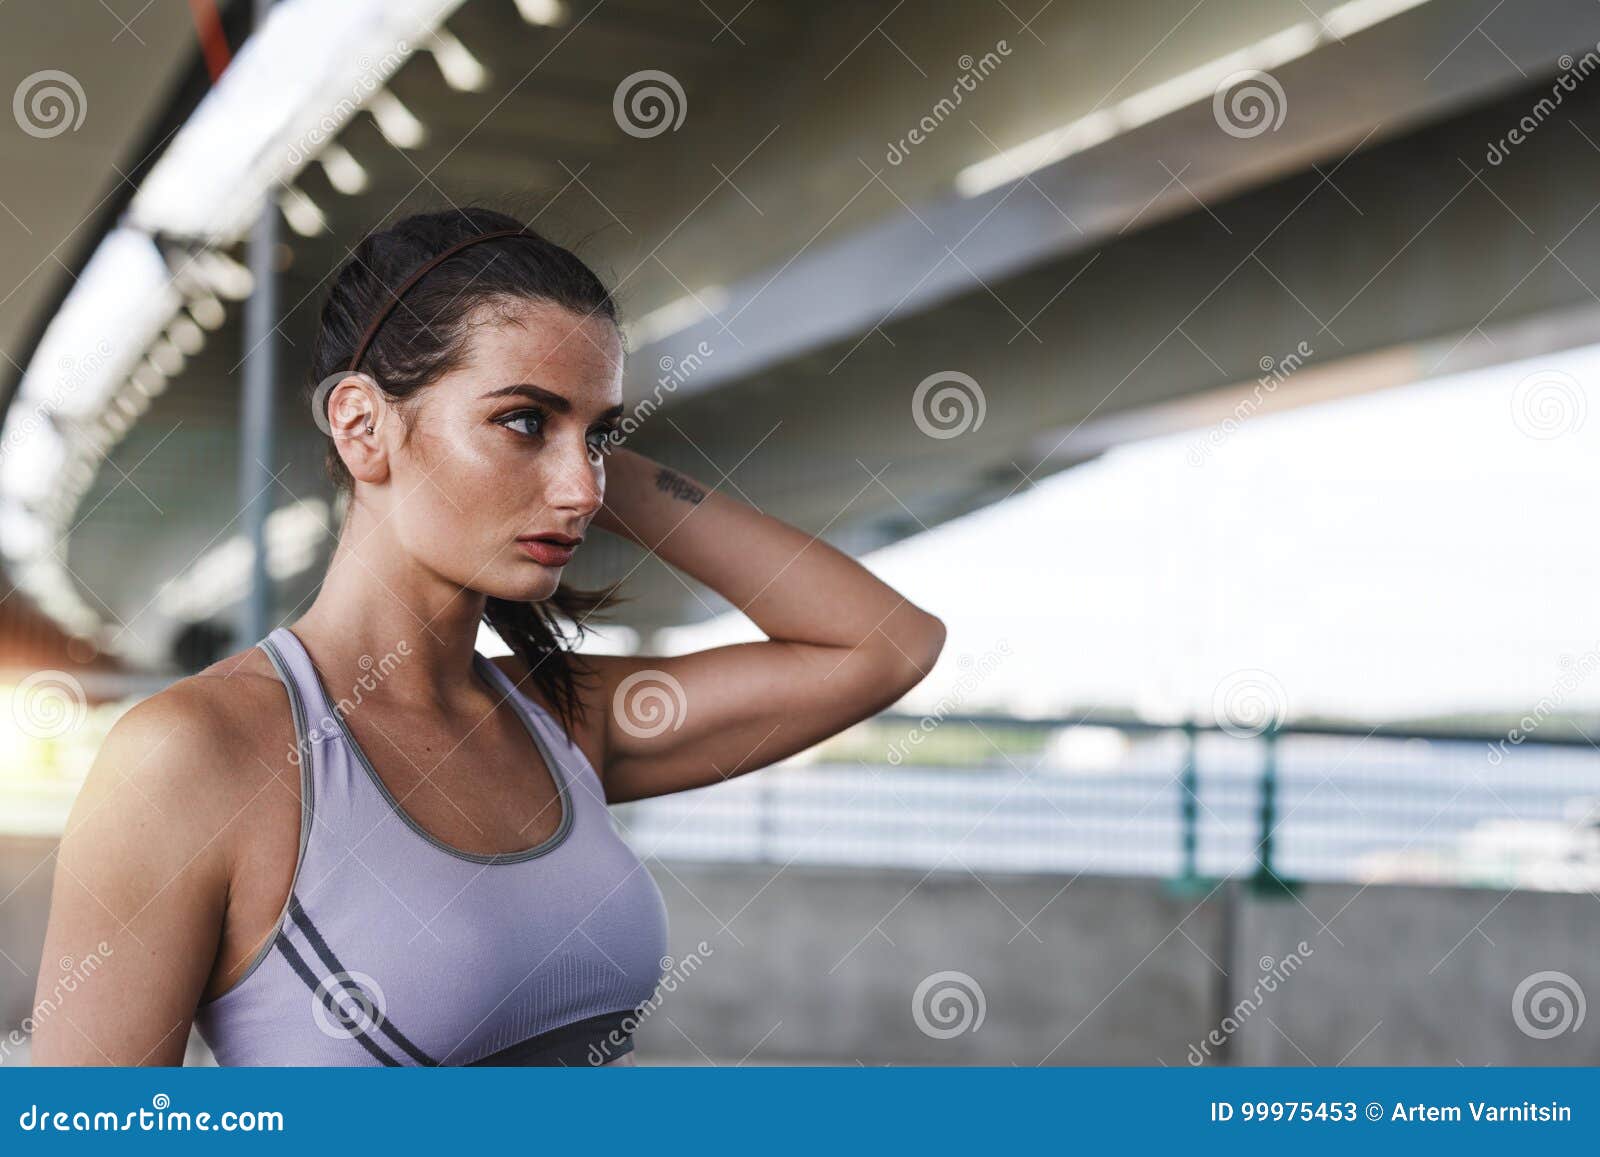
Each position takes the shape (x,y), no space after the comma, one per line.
(355,414)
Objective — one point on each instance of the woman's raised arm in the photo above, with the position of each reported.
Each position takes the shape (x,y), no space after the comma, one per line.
(841,645)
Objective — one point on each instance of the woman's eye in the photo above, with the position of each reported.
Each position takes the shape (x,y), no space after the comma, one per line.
(524,422)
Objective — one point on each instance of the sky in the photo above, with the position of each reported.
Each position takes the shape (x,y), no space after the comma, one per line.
(1425,550)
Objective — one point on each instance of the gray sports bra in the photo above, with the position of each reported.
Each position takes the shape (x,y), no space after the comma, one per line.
(396,949)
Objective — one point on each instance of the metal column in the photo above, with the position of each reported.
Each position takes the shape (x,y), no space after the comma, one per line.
(256,428)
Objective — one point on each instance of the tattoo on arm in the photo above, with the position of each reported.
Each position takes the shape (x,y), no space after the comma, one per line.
(672,483)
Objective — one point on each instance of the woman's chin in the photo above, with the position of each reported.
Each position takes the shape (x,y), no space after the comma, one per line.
(525,588)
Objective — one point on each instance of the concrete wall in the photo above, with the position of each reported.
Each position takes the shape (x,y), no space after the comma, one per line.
(823,964)
(806,964)
(27,866)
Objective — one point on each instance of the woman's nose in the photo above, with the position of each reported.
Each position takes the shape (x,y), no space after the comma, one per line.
(578,483)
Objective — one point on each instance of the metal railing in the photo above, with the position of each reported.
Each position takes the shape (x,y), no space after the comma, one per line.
(1190,803)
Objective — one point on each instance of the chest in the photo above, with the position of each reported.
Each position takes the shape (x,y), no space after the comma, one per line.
(480,782)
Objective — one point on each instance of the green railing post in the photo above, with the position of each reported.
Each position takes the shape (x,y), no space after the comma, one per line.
(1266,879)
(1188,882)
(1191,803)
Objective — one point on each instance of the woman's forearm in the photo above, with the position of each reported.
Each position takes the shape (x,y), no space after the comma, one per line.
(791,585)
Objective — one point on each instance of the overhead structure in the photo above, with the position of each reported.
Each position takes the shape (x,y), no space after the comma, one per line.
(880,265)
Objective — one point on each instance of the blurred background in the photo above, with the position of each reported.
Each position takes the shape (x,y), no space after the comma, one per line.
(1220,371)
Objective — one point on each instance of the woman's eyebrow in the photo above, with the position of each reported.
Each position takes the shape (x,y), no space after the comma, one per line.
(557,402)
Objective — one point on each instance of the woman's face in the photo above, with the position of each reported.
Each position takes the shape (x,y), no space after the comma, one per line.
(506,447)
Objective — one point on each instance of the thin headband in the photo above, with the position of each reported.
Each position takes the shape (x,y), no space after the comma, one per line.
(427,266)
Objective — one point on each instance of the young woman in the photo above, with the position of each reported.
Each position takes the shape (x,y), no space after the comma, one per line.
(360,842)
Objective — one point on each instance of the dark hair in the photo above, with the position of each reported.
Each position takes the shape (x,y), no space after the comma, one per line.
(425,336)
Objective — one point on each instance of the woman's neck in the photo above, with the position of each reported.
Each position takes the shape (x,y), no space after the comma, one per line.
(378,609)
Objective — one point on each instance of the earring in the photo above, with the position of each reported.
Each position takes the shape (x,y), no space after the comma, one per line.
(369,427)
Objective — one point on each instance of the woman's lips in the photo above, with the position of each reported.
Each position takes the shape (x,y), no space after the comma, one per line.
(545,552)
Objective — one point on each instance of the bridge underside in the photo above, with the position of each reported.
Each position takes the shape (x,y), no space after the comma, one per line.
(1389,229)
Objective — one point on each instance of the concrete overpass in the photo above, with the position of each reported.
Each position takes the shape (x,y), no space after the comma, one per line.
(1130,212)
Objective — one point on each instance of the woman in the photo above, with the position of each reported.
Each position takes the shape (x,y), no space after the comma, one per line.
(360,842)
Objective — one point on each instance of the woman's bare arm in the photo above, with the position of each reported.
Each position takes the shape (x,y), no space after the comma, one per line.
(841,645)
(140,890)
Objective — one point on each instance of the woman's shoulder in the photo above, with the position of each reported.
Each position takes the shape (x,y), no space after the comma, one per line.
(235,701)
(211,740)
(182,800)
